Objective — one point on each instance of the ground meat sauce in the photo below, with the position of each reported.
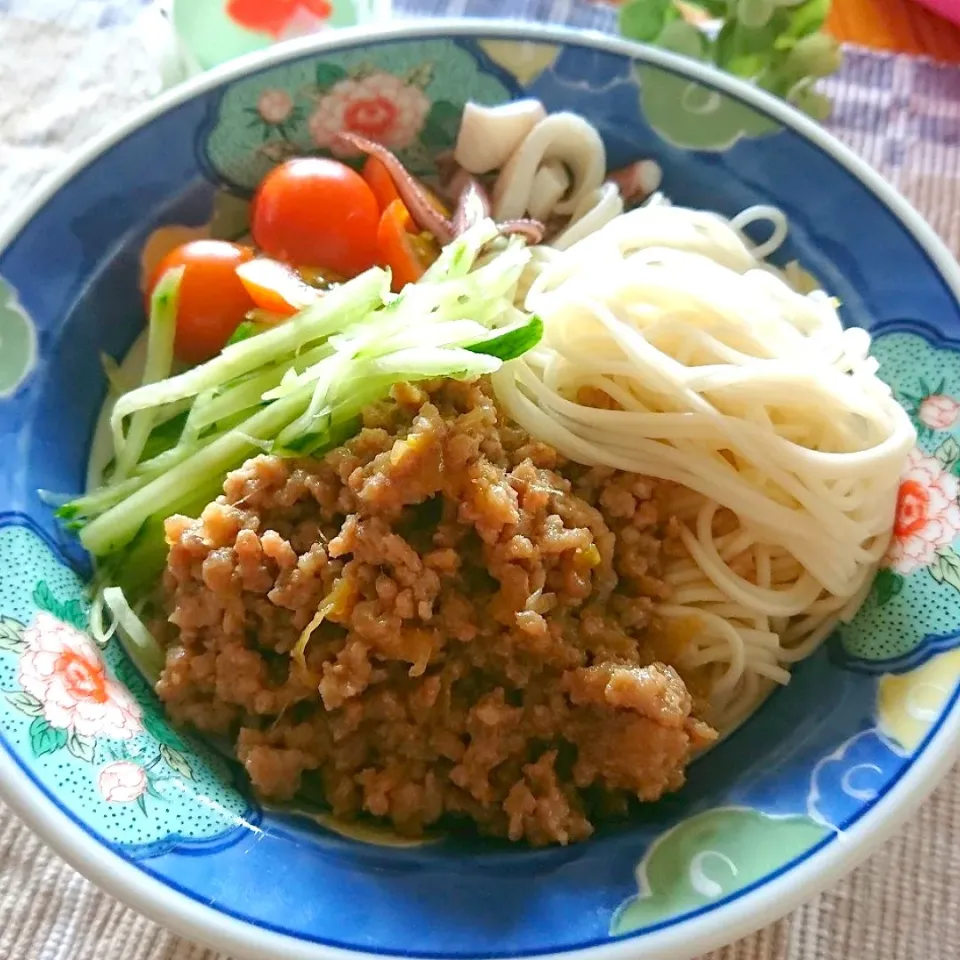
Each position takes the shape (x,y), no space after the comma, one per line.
(485,651)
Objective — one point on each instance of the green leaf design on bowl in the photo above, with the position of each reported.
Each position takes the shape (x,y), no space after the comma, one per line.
(18,341)
(692,116)
(708,857)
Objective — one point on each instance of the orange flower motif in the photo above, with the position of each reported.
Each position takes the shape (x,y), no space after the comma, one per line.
(379,106)
(928,515)
(62,668)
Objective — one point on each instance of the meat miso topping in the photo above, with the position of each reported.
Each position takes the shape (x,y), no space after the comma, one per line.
(440,620)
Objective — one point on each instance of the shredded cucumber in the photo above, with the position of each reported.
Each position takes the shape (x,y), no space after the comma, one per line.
(294,389)
(334,312)
(119,525)
(140,643)
(163,326)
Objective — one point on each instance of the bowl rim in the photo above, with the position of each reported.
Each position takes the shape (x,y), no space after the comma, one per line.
(698,933)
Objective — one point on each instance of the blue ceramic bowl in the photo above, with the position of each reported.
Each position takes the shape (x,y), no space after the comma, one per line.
(802,792)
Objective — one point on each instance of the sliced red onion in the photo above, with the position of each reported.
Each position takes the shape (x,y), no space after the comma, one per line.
(637,180)
(531,230)
(473,205)
(457,181)
(418,203)
(473,202)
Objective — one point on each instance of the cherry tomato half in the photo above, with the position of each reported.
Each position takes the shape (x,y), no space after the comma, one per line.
(276,287)
(211,301)
(380,182)
(406,252)
(317,213)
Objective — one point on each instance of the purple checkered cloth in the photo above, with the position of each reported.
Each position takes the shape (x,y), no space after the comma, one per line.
(70,68)
(902,115)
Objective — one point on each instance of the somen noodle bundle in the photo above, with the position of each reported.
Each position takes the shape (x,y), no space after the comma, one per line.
(671,349)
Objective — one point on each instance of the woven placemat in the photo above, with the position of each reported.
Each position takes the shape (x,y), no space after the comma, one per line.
(70,69)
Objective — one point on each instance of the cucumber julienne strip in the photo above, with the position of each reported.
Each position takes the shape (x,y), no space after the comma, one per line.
(249,392)
(140,644)
(119,525)
(136,567)
(332,313)
(437,362)
(163,326)
(446,292)
(456,259)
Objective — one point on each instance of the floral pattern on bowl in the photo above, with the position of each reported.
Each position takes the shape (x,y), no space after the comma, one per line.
(911,613)
(92,729)
(299,109)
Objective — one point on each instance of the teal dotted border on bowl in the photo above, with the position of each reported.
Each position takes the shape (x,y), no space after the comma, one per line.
(162,790)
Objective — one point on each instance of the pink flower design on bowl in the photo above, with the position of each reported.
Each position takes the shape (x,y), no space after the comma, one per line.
(274,106)
(938,412)
(62,668)
(122,781)
(379,106)
(928,516)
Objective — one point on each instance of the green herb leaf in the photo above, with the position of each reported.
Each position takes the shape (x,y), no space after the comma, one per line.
(814,56)
(644,20)
(805,18)
(718,9)
(754,14)
(512,342)
(814,104)
(746,51)
(773,43)
(684,38)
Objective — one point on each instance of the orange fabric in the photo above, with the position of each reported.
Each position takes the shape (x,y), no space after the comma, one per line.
(901,25)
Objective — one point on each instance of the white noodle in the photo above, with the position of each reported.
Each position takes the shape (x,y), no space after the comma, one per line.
(750,395)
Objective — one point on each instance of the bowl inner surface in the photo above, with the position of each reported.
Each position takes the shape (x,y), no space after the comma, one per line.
(817,758)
